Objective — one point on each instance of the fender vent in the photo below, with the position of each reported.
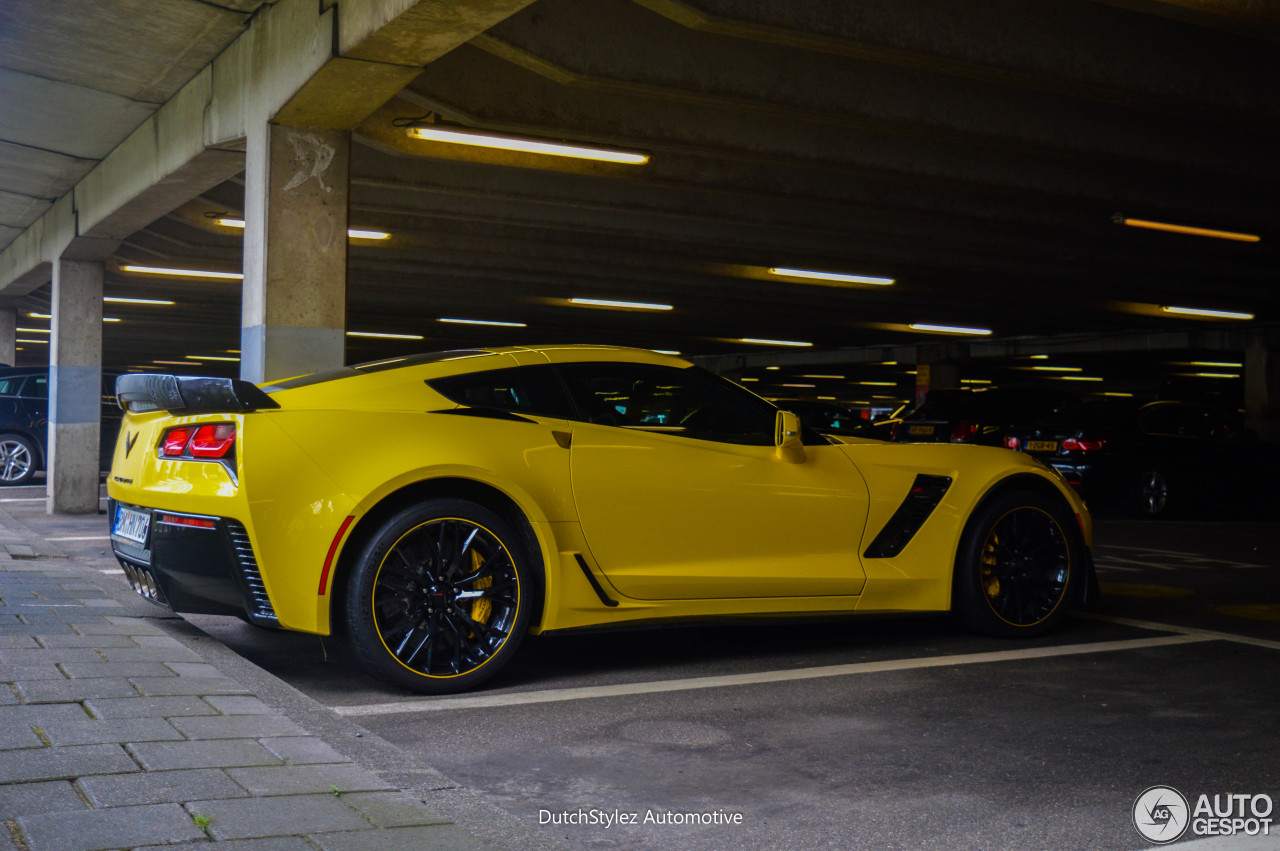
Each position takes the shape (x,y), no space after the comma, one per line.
(925,494)
(258,603)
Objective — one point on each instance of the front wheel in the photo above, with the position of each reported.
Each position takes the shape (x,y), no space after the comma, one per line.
(440,596)
(1017,566)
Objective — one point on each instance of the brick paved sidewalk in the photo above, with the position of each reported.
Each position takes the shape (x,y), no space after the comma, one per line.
(114,734)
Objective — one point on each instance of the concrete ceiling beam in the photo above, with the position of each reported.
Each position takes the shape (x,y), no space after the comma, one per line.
(286,66)
(507,98)
(1068,49)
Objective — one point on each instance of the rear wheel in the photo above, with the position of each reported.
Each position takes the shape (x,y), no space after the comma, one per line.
(1152,494)
(440,596)
(1017,566)
(17,460)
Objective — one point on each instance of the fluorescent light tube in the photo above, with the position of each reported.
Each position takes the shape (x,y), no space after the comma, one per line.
(1185,229)
(762,342)
(484,322)
(622,305)
(837,277)
(1203,311)
(382,335)
(181,273)
(528,145)
(948,329)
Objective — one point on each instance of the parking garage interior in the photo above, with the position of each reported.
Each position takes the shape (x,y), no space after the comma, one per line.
(827,201)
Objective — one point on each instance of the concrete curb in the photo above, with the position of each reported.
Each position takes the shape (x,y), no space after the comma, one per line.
(122,725)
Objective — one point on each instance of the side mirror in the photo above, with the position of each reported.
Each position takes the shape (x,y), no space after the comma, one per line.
(786,436)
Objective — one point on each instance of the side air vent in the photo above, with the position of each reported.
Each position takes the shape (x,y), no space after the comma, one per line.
(925,494)
(260,609)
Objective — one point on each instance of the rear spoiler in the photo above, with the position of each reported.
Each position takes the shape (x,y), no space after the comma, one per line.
(181,394)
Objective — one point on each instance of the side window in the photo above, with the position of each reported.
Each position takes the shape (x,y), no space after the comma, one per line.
(521,390)
(685,402)
(10,385)
(37,387)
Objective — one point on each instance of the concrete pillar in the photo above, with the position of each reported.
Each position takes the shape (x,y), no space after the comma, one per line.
(935,376)
(8,336)
(1262,390)
(294,308)
(75,388)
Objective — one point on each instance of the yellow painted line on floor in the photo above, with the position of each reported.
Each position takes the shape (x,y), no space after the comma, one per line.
(483,701)
(1252,611)
(1208,634)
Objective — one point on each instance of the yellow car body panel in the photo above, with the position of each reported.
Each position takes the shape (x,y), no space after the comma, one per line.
(665,526)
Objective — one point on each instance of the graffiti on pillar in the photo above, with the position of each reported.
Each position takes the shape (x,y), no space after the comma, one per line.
(312,156)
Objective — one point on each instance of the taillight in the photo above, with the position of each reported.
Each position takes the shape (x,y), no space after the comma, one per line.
(211,441)
(1083,444)
(963,431)
(175,442)
(895,431)
(1011,442)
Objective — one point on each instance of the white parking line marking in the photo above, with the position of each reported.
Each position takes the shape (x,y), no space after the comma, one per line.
(623,689)
(1207,634)
(83,538)
(25,499)
(113,571)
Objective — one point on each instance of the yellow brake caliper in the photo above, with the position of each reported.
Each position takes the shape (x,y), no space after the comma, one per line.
(481,608)
(990,582)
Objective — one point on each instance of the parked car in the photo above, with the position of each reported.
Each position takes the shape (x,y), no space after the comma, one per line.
(435,508)
(825,418)
(24,422)
(980,416)
(1153,459)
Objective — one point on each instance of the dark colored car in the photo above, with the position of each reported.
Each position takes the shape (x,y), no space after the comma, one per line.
(24,422)
(1154,459)
(980,416)
(823,417)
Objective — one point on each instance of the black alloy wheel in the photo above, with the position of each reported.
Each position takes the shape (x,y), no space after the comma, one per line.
(440,596)
(1152,493)
(1017,565)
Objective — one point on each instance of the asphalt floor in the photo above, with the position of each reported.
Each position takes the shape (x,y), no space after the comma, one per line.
(900,732)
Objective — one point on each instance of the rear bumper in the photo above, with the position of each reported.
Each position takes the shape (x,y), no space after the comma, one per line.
(192,563)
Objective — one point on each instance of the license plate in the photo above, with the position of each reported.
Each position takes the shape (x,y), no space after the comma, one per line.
(1042,446)
(132,525)
(919,429)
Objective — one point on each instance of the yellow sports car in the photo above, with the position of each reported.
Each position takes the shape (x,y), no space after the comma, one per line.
(435,508)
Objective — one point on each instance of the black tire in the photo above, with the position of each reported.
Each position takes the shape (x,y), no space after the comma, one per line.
(1153,494)
(18,459)
(1018,566)
(440,596)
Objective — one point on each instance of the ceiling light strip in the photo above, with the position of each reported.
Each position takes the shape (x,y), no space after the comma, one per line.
(622,305)
(483,322)
(837,277)
(1147,224)
(948,329)
(528,145)
(181,273)
(1204,311)
(760,341)
(384,335)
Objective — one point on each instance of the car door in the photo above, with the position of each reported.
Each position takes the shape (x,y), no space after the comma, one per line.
(681,493)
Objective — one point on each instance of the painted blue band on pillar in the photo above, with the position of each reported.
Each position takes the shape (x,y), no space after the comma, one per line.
(75,394)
